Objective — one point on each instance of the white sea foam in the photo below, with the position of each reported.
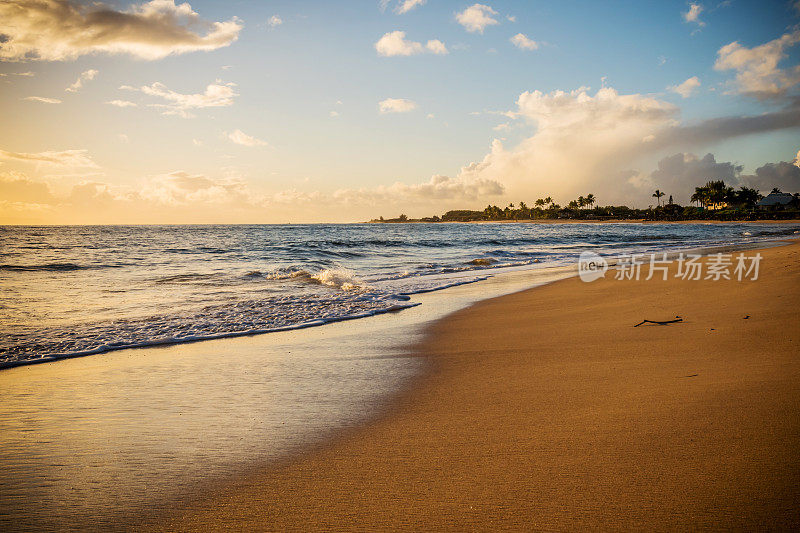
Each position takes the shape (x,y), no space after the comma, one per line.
(88,290)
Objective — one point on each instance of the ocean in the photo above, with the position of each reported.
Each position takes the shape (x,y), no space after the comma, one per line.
(106,441)
(80,290)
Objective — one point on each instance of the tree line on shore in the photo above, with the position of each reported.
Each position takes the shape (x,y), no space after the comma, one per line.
(713,201)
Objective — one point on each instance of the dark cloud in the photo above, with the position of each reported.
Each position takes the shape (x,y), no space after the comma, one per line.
(58,30)
(719,129)
(785,176)
(680,173)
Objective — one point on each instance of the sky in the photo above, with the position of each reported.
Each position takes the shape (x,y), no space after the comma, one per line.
(320,111)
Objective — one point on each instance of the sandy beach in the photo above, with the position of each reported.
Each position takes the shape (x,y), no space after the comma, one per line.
(547,409)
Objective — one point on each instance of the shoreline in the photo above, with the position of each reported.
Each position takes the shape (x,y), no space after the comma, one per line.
(105,349)
(452,449)
(592,221)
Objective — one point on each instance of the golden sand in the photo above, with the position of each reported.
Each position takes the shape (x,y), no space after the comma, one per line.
(547,409)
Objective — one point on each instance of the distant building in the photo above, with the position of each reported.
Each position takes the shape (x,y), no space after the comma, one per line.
(713,206)
(775,200)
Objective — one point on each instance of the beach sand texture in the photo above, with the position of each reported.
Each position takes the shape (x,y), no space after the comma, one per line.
(547,409)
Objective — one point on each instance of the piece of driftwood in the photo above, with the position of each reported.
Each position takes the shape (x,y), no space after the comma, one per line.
(659,322)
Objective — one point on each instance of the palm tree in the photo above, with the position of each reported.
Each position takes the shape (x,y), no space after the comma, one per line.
(590,200)
(719,193)
(581,202)
(539,203)
(747,196)
(548,201)
(657,195)
(700,195)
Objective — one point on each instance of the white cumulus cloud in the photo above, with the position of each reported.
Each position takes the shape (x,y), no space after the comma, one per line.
(240,137)
(396,105)
(84,77)
(686,88)
(407,5)
(757,71)
(395,44)
(584,142)
(522,42)
(476,17)
(436,46)
(693,15)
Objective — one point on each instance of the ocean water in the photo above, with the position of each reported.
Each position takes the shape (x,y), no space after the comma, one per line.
(81,290)
(118,441)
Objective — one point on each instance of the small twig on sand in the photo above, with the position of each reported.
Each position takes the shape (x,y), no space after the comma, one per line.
(659,322)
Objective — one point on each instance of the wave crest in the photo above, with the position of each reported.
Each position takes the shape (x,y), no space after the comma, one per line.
(337,278)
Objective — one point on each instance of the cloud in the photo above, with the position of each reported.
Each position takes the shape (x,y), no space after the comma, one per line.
(407,5)
(680,173)
(66,158)
(18,188)
(757,72)
(522,42)
(217,94)
(396,105)
(436,46)
(581,141)
(121,103)
(395,44)
(686,88)
(784,175)
(85,76)
(42,99)
(333,114)
(586,142)
(190,197)
(240,137)
(24,74)
(693,15)
(274,21)
(183,188)
(476,17)
(60,30)
(722,128)
(438,188)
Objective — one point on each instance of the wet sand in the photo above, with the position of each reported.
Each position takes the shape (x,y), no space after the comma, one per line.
(547,409)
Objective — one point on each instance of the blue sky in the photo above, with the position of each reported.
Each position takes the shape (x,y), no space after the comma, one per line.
(305,94)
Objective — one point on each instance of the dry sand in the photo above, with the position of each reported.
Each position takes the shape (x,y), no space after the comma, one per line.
(546,409)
